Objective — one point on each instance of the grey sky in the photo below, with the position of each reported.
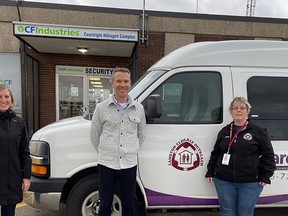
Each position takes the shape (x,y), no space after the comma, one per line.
(264,8)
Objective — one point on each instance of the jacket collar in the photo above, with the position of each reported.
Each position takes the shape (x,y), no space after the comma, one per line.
(111,100)
(7,114)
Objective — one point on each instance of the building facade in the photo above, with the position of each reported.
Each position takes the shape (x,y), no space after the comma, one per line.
(52,80)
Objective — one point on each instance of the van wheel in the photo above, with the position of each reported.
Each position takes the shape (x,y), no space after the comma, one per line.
(83,199)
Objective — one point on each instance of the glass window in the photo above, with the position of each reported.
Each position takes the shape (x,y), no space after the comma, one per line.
(191,97)
(70,96)
(267,96)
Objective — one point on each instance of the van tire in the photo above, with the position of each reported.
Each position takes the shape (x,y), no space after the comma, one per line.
(79,193)
(83,200)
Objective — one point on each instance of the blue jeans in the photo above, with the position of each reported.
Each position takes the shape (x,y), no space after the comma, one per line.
(8,210)
(109,179)
(237,199)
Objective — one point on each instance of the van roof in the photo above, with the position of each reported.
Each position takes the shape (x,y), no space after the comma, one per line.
(253,53)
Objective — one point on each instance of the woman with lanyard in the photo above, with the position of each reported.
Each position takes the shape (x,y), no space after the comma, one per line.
(241,162)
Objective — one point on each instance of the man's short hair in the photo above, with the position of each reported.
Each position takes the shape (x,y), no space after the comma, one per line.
(120,69)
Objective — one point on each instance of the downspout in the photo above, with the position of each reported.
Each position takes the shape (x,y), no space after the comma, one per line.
(143,24)
(144,31)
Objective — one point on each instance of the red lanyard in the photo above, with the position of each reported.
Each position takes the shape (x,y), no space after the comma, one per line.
(235,135)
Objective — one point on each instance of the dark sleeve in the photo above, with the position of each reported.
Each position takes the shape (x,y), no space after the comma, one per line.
(25,153)
(214,157)
(267,161)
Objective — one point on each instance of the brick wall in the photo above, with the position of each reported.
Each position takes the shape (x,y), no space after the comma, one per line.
(200,37)
(150,53)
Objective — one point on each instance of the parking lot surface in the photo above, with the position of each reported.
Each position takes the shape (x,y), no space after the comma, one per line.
(215,212)
(24,210)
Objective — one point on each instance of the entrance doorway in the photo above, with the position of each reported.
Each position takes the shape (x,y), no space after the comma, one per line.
(78,93)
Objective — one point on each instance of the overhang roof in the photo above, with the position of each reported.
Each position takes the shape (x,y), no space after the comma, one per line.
(67,44)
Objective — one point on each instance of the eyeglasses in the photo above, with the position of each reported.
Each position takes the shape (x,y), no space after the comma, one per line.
(239,108)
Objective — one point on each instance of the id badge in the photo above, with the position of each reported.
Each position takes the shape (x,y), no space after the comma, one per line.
(226,158)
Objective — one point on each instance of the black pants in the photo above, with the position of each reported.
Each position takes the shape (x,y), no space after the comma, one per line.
(109,180)
(8,210)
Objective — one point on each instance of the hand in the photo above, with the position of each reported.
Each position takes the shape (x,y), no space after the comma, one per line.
(25,185)
(262,184)
(210,179)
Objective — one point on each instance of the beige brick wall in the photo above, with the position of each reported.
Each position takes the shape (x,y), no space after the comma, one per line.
(8,43)
(174,41)
(8,13)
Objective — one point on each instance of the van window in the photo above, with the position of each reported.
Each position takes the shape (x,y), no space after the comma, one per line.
(191,97)
(269,102)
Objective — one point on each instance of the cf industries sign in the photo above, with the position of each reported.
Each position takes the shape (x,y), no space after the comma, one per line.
(47,30)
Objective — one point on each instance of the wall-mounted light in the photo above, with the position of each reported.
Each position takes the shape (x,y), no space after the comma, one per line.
(82,49)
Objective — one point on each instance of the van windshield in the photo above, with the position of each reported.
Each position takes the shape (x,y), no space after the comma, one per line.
(143,83)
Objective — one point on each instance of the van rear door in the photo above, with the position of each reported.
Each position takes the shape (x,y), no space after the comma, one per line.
(266,89)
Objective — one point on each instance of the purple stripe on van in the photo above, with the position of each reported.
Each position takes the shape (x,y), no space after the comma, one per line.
(160,199)
(273,199)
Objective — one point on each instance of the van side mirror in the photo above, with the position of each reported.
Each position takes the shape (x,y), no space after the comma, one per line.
(153,108)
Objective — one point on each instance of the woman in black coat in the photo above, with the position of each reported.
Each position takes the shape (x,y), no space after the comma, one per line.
(15,161)
(241,162)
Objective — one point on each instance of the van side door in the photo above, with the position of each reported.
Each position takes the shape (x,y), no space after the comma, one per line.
(174,155)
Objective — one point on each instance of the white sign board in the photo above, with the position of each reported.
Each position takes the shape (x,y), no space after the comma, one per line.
(74,92)
(90,71)
(49,30)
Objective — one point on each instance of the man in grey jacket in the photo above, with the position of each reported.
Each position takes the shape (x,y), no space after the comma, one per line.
(117,131)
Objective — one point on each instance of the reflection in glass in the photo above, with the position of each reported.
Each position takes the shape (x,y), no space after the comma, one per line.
(99,90)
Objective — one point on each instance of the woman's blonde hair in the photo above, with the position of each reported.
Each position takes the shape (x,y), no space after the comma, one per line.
(241,100)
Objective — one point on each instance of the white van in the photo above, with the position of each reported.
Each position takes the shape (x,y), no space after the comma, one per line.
(186,96)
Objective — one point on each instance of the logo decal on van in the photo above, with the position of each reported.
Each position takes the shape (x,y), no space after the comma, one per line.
(185,155)
(281,160)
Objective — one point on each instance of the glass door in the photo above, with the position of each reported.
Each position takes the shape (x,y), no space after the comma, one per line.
(70,99)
